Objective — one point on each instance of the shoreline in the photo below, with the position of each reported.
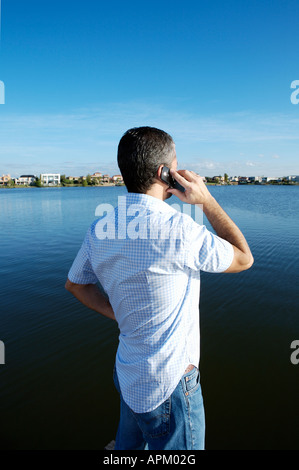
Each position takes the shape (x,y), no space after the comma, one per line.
(117,185)
(23,186)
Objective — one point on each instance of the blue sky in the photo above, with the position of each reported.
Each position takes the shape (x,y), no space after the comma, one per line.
(215,75)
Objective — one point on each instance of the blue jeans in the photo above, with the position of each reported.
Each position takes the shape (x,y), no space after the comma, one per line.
(177,424)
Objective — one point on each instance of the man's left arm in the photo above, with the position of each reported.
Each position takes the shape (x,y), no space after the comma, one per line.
(91,296)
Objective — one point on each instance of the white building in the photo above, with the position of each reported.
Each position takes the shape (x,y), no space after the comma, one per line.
(254,179)
(266,179)
(50,179)
(25,179)
(117,179)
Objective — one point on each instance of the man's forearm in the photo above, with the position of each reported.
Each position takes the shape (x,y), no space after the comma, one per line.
(224,226)
(196,192)
(91,296)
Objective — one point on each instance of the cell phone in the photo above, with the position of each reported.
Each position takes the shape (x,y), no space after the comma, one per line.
(168,179)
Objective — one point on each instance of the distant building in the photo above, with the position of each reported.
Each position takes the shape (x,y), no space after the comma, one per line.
(117,179)
(220,179)
(25,179)
(72,178)
(243,180)
(255,179)
(50,179)
(97,175)
(105,178)
(4,179)
(266,179)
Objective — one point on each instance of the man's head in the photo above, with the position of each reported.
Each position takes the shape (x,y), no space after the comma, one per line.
(142,152)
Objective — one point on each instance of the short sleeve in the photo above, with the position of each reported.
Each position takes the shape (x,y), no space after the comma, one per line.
(206,251)
(81,271)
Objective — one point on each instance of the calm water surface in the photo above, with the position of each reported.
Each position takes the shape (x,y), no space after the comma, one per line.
(56,387)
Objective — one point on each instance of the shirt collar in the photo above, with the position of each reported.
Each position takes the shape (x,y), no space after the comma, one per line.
(149,201)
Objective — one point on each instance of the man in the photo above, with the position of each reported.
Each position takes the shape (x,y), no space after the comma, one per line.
(152,279)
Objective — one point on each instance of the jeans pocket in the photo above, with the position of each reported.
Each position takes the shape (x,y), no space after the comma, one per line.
(191,382)
(155,423)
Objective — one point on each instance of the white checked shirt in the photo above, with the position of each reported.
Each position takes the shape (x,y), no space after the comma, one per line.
(153,283)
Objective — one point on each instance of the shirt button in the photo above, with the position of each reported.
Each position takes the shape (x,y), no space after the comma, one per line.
(186,394)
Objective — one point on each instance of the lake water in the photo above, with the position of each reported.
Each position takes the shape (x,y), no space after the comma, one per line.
(56,387)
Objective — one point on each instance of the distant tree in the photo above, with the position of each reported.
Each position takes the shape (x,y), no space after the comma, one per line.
(88,179)
(226,177)
(10,183)
(38,183)
(63,180)
(66,181)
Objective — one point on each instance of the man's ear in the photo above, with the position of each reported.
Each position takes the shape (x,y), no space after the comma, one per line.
(158,174)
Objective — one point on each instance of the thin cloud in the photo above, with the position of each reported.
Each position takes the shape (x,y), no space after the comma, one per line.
(88,138)
(97,124)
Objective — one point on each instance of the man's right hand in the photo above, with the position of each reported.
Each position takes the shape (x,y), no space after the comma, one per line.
(196,192)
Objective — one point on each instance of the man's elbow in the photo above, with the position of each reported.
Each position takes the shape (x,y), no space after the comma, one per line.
(251,261)
(248,263)
(68,285)
(241,262)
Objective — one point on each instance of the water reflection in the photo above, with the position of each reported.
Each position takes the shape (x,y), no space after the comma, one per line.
(56,389)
